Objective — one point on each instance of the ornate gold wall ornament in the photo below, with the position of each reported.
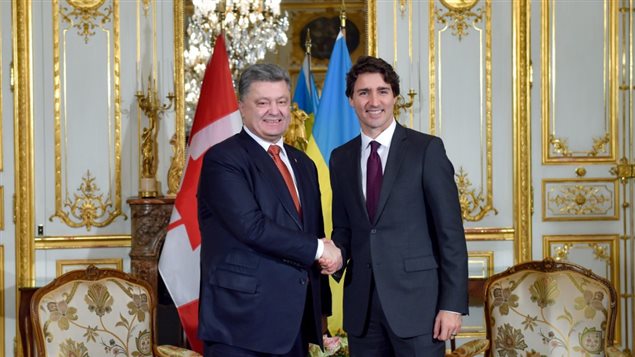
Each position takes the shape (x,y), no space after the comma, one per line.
(88,207)
(402,104)
(146,7)
(559,146)
(580,172)
(601,252)
(600,145)
(624,170)
(459,16)
(176,166)
(85,16)
(562,252)
(580,200)
(472,207)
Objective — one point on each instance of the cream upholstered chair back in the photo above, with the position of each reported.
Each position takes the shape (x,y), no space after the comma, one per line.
(549,308)
(94,312)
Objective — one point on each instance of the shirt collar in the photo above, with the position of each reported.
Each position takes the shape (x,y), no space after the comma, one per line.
(384,138)
(264,143)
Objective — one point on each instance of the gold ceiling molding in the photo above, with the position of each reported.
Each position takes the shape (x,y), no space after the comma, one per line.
(475,204)
(459,16)
(556,148)
(521,110)
(85,16)
(86,209)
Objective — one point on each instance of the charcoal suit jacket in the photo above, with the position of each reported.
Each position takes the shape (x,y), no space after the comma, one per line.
(415,250)
(257,253)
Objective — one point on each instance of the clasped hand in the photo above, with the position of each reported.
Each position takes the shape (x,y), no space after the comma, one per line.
(331,259)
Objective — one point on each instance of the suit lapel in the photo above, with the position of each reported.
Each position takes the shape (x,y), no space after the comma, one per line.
(354,172)
(393,163)
(269,173)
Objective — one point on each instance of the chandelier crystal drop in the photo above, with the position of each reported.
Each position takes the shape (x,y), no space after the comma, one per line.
(252,27)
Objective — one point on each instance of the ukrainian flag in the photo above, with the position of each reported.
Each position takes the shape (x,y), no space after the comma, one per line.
(335,124)
(306,94)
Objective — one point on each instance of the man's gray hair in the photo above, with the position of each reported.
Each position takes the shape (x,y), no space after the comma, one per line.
(261,72)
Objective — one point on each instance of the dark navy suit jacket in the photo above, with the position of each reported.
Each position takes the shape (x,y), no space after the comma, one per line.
(257,254)
(415,249)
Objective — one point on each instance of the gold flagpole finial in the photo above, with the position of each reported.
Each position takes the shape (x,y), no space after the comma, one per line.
(343,16)
(308,42)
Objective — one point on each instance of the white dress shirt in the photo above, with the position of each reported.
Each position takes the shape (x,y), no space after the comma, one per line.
(384,140)
(283,156)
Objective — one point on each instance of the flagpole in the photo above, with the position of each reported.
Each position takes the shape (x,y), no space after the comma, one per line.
(308,45)
(343,19)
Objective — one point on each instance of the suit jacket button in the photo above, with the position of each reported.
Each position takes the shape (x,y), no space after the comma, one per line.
(373,231)
(302,281)
(369,266)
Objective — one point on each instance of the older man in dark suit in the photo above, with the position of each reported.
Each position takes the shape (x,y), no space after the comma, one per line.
(397,221)
(261,223)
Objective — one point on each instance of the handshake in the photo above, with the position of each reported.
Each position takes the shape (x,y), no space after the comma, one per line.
(331,259)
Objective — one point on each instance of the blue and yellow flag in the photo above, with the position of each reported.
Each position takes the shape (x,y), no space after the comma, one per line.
(306,94)
(335,124)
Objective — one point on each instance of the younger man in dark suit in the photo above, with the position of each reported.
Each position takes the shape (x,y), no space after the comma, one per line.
(397,221)
(260,218)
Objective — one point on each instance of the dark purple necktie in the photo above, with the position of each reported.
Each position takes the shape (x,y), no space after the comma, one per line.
(373,180)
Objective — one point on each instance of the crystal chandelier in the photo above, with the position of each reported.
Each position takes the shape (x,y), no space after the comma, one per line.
(252,27)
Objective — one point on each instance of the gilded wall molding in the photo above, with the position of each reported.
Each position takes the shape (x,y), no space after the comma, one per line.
(476,203)
(489,234)
(485,261)
(556,147)
(580,199)
(76,242)
(86,209)
(23,143)
(63,266)
(177,161)
(1,104)
(521,114)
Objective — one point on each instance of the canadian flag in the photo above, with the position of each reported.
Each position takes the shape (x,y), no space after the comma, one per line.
(216,119)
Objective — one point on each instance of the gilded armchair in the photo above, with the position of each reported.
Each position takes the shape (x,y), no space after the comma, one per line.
(549,308)
(97,312)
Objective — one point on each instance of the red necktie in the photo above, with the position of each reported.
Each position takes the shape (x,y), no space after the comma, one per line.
(274,151)
(373,180)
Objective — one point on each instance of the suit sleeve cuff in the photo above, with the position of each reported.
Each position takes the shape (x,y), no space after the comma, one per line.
(320,249)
